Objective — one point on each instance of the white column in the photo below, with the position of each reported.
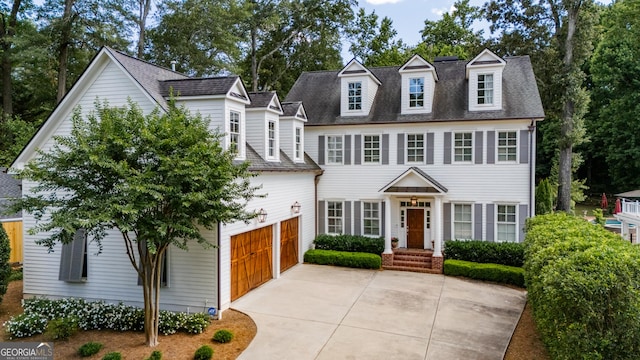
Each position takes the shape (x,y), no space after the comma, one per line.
(387,225)
(437,220)
(624,229)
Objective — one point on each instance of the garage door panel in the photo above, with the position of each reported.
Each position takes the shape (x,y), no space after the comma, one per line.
(251,260)
(288,243)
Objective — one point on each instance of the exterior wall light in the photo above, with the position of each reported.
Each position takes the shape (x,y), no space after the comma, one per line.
(296,207)
(262,215)
(414,201)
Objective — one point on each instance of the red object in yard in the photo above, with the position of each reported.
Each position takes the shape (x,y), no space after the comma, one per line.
(618,208)
(604,204)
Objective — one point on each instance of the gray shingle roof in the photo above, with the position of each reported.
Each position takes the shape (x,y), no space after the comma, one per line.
(290,108)
(320,93)
(258,164)
(10,188)
(198,86)
(261,99)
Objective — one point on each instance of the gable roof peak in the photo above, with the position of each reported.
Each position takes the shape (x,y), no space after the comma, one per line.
(485,59)
(355,68)
(418,64)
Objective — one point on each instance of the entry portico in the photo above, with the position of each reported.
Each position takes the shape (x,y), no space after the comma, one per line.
(414,202)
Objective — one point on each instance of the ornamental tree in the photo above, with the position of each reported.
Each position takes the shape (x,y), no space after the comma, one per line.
(157,179)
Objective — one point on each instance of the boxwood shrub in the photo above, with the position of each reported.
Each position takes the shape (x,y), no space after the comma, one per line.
(505,253)
(582,283)
(343,258)
(351,243)
(491,272)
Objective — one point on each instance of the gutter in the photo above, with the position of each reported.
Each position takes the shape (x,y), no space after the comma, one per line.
(316,180)
(532,132)
(218,272)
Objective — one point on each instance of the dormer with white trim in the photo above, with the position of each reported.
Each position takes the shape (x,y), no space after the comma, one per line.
(484,74)
(358,87)
(263,124)
(418,86)
(292,130)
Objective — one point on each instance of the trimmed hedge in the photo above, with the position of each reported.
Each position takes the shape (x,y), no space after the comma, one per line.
(491,272)
(583,285)
(343,258)
(505,253)
(351,243)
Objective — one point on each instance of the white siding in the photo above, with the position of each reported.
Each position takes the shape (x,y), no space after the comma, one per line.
(282,189)
(210,109)
(288,138)
(256,130)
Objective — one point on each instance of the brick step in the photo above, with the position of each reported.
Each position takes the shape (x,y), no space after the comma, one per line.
(411,258)
(411,269)
(418,253)
(416,264)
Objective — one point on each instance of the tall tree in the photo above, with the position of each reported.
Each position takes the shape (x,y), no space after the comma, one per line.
(9,14)
(144,7)
(155,179)
(373,41)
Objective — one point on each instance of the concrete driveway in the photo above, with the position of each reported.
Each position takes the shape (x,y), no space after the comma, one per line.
(325,312)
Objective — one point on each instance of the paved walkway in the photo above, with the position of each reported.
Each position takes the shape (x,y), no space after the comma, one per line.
(325,312)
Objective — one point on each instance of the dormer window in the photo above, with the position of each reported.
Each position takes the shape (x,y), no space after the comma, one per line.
(298,143)
(416,92)
(355,95)
(272,138)
(234,131)
(485,89)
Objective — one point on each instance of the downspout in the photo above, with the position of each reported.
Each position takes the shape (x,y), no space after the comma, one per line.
(532,204)
(316,180)
(219,286)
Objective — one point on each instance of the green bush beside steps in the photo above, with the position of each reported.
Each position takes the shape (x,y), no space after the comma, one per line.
(491,272)
(342,258)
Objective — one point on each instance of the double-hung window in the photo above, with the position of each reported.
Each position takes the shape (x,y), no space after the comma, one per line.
(371,218)
(298,145)
(234,131)
(463,147)
(372,148)
(415,148)
(355,96)
(485,89)
(462,225)
(334,149)
(272,138)
(416,92)
(506,221)
(334,217)
(507,146)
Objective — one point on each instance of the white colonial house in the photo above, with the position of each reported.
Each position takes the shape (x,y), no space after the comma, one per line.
(423,152)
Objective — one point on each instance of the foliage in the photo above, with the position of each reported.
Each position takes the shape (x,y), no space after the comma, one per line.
(89,349)
(97,315)
(342,258)
(155,355)
(223,336)
(16,274)
(162,176)
(490,272)
(14,135)
(599,217)
(62,328)
(545,197)
(374,43)
(112,356)
(505,253)
(5,268)
(204,352)
(583,282)
(352,243)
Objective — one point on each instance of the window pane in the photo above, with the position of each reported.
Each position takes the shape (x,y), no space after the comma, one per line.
(416,92)
(372,148)
(334,217)
(485,89)
(334,149)
(506,223)
(462,225)
(355,96)
(371,218)
(463,147)
(415,147)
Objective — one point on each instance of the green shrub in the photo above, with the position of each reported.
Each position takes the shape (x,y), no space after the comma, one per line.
(491,272)
(223,336)
(342,258)
(155,355)
(204,352)
(112,356)
(505,253)
(62,328)
(582,283)
(5,268)
(350,243)
(16,274)
(90,348)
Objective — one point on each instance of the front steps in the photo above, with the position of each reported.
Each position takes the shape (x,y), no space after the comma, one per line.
(414,260)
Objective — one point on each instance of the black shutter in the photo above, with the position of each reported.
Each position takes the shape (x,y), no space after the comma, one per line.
(447,148)
(73,258)
(490,222)
(522,217)
(477,223)
(321,150)
(478,147)
(524,146)
(446,219)
(357,218)
(347,217)
(321,217)
(491,147)
(385,149)
(400,149)
(358,149)
(347,150)
(430,147)
(382,218)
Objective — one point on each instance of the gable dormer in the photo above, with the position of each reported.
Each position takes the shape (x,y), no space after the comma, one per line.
(358,88)
(484,74)
(418,86)
(263,124)
(292,130)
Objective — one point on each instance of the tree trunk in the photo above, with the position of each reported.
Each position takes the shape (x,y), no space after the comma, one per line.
(63,54)
(145,7)
(254,60)
(151,281)
(7,31)
(567,127)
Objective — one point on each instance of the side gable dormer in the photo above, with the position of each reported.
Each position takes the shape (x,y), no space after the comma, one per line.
(263,124)
(484,74)
(419,79)
(358,87)
(292,130)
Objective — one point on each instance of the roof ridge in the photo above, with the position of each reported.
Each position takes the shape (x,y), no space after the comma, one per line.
(120,52)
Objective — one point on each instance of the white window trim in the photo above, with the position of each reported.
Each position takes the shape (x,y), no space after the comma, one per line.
(498,161)
(296,155)
(361,96)
(326,150)
(453,148)
(406,148)
(493,89)
(496,222)
(362,212)
(326,213)
(239,148)
(453,219)
(424,93)
(275,140)
(364,162)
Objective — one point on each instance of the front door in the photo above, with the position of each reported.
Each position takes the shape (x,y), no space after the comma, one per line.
(415,228)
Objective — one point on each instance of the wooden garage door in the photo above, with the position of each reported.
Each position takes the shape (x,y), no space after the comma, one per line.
(251,259)
(288,243)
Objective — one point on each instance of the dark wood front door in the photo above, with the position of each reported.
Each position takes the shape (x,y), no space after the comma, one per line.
(251,255)
(288,243)
(415,228)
